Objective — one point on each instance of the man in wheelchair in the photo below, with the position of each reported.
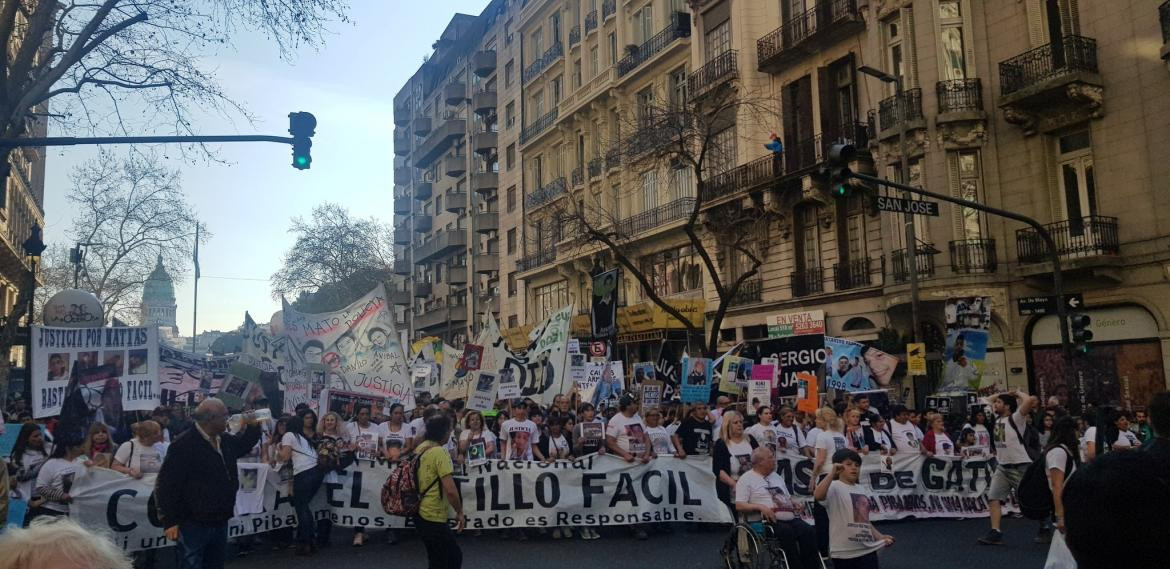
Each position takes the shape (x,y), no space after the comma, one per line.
(760,496)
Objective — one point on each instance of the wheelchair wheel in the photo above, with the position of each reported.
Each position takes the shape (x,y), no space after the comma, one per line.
(744,549)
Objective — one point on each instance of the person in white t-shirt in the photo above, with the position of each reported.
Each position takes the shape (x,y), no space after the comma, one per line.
(937,442)
(138,456)
(625,434)
(307,478)
(1011,411)
(763,432)
(662,442)
(520,435)
(473,435)
(365,437)
(905,435)
(58,475)
(760,495)
(978,424)
(1112,433)
(853,539)
(398,436)
(1060,461)
(789,438)
(828,442)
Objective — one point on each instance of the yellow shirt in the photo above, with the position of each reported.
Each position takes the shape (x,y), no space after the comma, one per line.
(432,467)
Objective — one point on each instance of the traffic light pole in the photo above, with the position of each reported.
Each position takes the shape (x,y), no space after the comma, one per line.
(1053,255)
(909,232)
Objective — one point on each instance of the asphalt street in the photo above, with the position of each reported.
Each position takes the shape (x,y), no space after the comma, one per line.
(934,544)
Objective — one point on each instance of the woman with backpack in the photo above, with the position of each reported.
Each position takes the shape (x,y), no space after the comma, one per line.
(1060,460)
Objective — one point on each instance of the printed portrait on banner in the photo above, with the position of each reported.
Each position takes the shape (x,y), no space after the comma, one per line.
(968,320)
(541,367)
(605,303)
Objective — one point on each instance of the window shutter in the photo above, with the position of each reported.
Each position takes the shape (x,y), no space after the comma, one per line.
(825,95)
(953,184)
(1035,12)
(788,112)
(1052,170)
(911,48)
(1072,18)
(804,104)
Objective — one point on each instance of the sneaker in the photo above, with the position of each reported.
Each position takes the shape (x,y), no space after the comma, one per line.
(567,533)
(1043,536)
(593,534)
(993,537)
(640,534)
(359,539)
(556,533)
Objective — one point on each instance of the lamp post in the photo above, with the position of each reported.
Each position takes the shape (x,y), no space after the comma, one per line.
(911,236)
(33,247)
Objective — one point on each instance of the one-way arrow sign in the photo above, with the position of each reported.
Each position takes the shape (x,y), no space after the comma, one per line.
(1040,305)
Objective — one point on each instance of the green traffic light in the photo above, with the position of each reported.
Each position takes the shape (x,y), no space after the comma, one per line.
(302,160)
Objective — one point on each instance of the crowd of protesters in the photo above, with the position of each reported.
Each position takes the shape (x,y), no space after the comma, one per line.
(306,449)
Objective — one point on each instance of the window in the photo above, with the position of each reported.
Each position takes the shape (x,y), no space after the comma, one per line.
(512,241)
(678,87)
(894,172)
(511,199)
(510,114)
(613,48)
(594,63)
(952,48)
(577,77)
(558,84)
(508,32)
(673,271)
(808,238)
(682,182)
(895,63)
(855,237)
(510,156)
(649,190)
(1078,192)
(509,71)
(718,40)
(538,104)
(616,194)
(645,108)
(537,43)
(644,23)
(550,298)
(512,285)
(966,183)
(721,152)
(554,25)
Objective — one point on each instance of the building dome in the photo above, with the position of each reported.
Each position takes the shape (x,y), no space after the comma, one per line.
(159,287)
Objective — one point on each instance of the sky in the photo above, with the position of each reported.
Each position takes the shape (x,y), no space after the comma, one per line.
(247,204)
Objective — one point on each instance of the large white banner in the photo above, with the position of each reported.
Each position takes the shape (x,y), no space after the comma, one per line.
(186,377)
(116,369)
(593,490)
(541,367)
(357,345)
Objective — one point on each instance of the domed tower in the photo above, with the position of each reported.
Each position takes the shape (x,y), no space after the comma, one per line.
(158,301)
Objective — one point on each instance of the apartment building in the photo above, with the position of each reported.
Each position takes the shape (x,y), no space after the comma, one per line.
(446,182)
(1048,108)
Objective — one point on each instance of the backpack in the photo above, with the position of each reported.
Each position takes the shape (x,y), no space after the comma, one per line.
(400,495)
(1033,493)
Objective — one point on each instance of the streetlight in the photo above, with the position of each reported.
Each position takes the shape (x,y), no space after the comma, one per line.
(33,247)
(911,237)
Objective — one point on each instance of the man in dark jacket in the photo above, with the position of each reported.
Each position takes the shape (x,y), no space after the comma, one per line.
(196,489)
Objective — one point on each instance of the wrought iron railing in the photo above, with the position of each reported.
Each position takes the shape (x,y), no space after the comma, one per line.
(900,260)
(1163,16)
(973,256)
(590,21)
(809,281)
(540,258)
(538,126)
(751,291)
(608,8)
(1080,237)
(574,36)
(892,114)
(679,27)
(742,177)
(547,58)
(596,166)
(546,193)
(960,95)
(613,158)
(649,219)
(721,68)
(1069,55)
(820,18)
(853,274)
(577,176)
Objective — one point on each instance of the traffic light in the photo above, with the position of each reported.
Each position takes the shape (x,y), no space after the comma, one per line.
(1081,335)
(301,126)
(834,176)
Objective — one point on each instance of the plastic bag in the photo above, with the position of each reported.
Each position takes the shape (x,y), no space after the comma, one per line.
(1059,557)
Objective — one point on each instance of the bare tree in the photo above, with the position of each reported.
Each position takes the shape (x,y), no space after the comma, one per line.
(336,259)
(133,210)
(730,237)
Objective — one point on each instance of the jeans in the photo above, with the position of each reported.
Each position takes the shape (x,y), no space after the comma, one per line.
(203,546)
(442,550)
(867,561)
(799,542)
(821,518)
(305,486)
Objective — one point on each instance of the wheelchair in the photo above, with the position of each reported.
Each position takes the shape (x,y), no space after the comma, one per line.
(753,545)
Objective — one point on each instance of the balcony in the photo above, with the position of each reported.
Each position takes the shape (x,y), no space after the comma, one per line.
(421,126)
(487,264)
(1079,238)
(973,256)
(538,126)
(422,223)
(608,8)
(491,303)
(590,22)
(613,158)
(452,316)
(853,274)
(485,182)
(422,289)
(401,205)
(455,201)
(487,222)
(750,291)
(402,114)
(444,243)
(485,143)
(676,210)
(574,36)
(807,282)
(744,177)
(959,96)
(455,93)
(900,112)
(438,141)
(455,165)
(596,168)
(720,70)
(483,62)
(900,260)
(402,236)
(577,177)
(1052,86)
(457,275)
(679,27)
(546,59)
(483,103)
(804,34)
(546,193)
(401,142)
(400,297)
(423,191)
(402,175)
(403,268)
(536,260)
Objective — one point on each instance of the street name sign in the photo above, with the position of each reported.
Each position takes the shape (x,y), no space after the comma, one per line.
(900,205)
